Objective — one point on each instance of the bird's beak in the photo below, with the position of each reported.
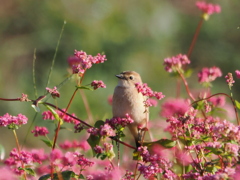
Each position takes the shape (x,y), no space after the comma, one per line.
(119,76)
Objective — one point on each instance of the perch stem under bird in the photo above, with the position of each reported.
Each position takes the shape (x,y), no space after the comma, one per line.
(127,100)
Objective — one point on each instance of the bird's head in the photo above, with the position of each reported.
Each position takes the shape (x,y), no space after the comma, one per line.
(128,79)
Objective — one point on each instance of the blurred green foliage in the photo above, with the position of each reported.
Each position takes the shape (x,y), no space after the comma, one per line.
(134,35)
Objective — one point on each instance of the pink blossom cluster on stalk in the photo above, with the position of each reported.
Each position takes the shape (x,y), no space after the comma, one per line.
(176,62)
(208,8)
(237,74)
(154,164)
(116,121)
(9,120)
(54,92)
(207,75)
(66,145)
(40,131)
(229,79)
(147,91)
(80,62)
(97,84)
(48,115)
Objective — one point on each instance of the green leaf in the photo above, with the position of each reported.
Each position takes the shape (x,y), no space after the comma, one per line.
(55,114)
(93,141)
(237,104)
(216,151)
(99,123)
(65,175)
(167,143)
(188,73)
(81,176)
(85,87)
(30,171)
(47,142)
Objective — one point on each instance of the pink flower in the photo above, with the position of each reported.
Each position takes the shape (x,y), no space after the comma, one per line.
(98,84)
(38,155)
(40,131)
(217,101)
(106,130)
(183,158)
(207,75)
(237,74)
(174,107)
(54,92)
(80,62)
(55,154)
(13,121)
(175,62)
(147,91)
(98,149)
(208,8)
(116,121)
(229,79)
(17,159)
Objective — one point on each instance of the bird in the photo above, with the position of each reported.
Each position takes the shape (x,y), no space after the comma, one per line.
(127,100)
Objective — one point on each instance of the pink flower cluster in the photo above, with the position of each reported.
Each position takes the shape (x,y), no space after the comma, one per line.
(104,130)
(117,121)
(174,107)
(66,145)
(54,92)
(237,74)
(13,121)
(40,131)
(98,84)
(154,164)
(48,115)
(207,75)
(175,62)
(229,79)
(16,160)
(147,91)
(208,8)
(80,62)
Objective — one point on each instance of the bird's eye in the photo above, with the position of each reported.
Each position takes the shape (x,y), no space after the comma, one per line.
(131,77)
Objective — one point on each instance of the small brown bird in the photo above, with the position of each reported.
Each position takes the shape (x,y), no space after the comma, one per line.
(127,99)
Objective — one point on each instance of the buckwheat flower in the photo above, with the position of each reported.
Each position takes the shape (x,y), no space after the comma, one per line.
(98,84)
(69,159)
(93,131)
(232,149)
(174,107)
(15,160)
(229,79)
(237,74)
(218,100)
(117,121)
(80,62)
(24,98)
(40,131)
(54,92)
(13,121)
(176,62)
(128,175)
(38,155)
(55,154)
(106,130)
(84,162)
(78,127)
(8,174)
(207,75)
(147,91)
(98,149)
(208,8)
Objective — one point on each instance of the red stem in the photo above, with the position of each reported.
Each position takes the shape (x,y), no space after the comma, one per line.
(195,37)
